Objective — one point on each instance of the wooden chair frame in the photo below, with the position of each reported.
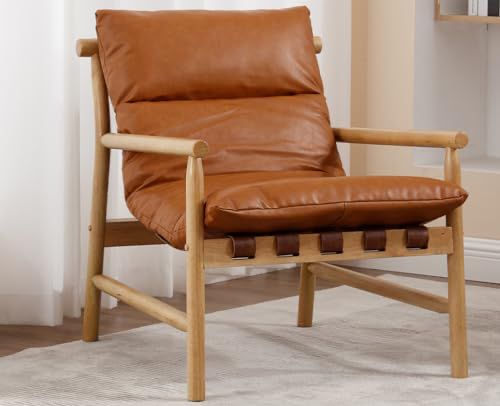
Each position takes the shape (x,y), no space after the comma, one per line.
(217,252)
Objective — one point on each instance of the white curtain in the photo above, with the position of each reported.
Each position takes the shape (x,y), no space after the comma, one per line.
(46,144)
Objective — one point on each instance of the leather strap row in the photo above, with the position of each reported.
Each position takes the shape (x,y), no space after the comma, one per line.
(374,240)
(243,247)
(331,242)
(417,237)
(287,244)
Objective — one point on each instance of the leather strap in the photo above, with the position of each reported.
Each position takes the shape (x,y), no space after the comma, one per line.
(374,240)
(417,237)
(287,244)
(331,242)
(243,247)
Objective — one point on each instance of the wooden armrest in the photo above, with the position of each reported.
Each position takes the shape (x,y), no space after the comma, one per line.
(86,47)
(156,145)
(433,139)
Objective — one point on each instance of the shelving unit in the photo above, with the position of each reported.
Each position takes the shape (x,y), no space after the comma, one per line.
(463,18)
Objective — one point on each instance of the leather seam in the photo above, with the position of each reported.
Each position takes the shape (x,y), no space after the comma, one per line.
(343,202)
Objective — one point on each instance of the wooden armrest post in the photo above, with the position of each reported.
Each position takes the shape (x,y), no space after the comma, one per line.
(195,279)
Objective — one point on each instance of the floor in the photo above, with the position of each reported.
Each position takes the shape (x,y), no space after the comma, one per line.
(219,296)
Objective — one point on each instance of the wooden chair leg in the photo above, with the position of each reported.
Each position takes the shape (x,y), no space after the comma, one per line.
(456,299)
(456,277)
(306,297)
(96,244)
(195,281)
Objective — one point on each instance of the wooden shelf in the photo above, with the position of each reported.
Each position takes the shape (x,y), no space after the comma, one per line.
(469,19)
(463,18)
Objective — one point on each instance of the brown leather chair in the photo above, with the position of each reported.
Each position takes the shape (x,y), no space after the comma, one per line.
(238,96)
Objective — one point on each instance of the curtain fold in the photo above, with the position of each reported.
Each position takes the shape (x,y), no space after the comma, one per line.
(46,139)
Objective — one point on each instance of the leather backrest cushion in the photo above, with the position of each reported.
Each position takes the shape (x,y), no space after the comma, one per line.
(282,133)
(202,54)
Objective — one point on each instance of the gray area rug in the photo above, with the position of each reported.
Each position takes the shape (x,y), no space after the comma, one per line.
(363,350)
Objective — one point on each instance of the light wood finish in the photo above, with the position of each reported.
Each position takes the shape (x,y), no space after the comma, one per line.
(306,297)
(156,145)
(140,301)
(318,44)
(463,18)
(126,232)
(456,278)
(380,287)
(99,203)
(218,252)
(413,138)
(88,46)
(195,280)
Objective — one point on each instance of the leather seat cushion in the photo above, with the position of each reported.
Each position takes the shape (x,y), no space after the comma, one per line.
(269,202)
(161,207)
(330,202)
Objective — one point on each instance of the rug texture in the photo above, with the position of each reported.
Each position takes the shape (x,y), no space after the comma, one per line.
(362,350)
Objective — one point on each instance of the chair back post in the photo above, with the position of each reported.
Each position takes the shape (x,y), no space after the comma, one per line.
(97,226)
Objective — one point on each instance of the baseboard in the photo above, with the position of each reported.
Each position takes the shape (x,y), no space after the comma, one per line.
(482,262)
(36,309)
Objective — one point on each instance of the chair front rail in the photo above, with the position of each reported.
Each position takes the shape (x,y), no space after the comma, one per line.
(218,252)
